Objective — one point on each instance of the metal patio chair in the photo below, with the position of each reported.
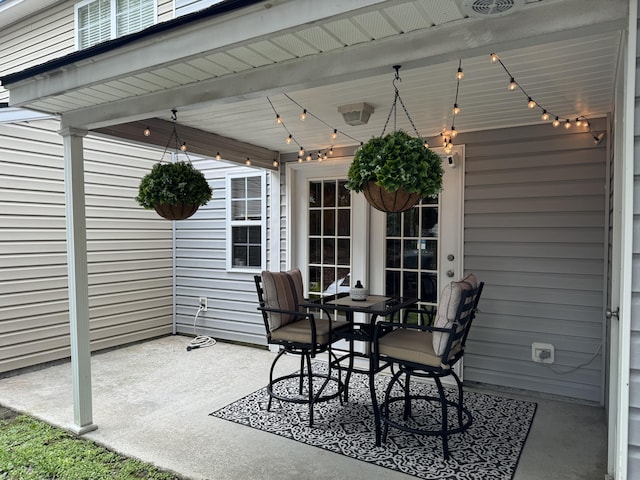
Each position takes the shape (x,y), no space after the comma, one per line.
(427,351)
(299,332)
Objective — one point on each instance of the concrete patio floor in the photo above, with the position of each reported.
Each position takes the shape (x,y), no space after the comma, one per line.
(152,401)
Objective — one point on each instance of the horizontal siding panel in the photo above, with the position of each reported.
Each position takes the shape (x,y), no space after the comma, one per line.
(514,264)
(533,250)
(533,220)
(535,205)
(129,248)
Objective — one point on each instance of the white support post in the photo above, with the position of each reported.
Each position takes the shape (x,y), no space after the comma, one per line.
(78,279)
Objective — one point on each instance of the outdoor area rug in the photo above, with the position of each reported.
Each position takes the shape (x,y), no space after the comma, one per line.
(488,450)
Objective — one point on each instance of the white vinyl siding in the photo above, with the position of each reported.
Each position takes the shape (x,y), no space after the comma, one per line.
(101,20)
(45,36)
(201,267)
(188,6)
(534,233)
(129,248)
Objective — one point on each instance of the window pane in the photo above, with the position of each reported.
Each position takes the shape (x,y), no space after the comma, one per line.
(393,224)
(410,284)
(315,250)
(239,255)
(133,15)
(344,251)
(254,209)
(393,253)
(344,195)
(344,223)
(329,194)
(410,254)
(315,225)
(429,287)
(429,255)
(255,234)
(329,222)
(238,189)
(315,193)
(329,250)
(255,258)
(314,280)
(411,219)
(429,222)
(392,283)
(239,234)
(254,187)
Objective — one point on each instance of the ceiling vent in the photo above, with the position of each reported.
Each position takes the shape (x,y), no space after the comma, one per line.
(490,8)
(356,113)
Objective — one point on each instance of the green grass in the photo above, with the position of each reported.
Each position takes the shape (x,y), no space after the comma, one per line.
(34,450)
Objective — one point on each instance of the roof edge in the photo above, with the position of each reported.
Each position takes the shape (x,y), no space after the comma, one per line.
(218,9)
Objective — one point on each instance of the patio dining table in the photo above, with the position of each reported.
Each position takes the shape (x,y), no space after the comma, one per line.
(374,307)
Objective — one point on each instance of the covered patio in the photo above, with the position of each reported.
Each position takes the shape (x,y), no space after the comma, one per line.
(147,407)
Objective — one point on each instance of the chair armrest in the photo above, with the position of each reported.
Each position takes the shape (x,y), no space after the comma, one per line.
(421,312)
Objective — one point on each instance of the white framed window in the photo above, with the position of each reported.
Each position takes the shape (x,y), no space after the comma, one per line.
(246,221)
(100,20)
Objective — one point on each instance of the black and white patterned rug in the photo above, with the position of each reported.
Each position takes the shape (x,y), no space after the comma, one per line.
(488,450)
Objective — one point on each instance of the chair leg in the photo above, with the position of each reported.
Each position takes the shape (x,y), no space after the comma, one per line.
(301,384)
(385,403)
(407,397)
(443,405)
(307,357)
(270,386)
(460,398)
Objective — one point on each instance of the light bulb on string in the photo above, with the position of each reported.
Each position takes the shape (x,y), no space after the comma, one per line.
(247,161)
(578,122)
(531,103)
(183,147)
(334,135)
(303,115)
(301,152)
(567,124)
(556,122)
(331,150)
(448,147)
(289,139)
(494,58)
(426,144)
(545,116)
(319,156)
(299,159)
(218,157)
(459,74)
(278,119)
(308,157)
(586,124)
(147,132)
(454,132)
(456,109)
(275,162)
(512,84)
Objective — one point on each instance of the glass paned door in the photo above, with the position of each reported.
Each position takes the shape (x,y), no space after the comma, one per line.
(329,233)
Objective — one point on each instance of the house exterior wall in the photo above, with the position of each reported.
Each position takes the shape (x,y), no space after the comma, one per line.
(534,216)
(45,36)
(129,249)
(201,259)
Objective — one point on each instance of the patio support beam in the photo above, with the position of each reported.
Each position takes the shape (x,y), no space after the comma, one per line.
(78,279)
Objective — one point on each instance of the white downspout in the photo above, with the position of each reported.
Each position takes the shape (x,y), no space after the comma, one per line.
(78,279)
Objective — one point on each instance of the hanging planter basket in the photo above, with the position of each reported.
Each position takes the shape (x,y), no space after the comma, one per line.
(390,202)
(175,190)
(396,170)
(175,212)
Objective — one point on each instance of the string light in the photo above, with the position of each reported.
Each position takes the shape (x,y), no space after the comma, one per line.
(494,58)
(299,159)
(218,156)
(531,103)
(331,150)
(454,132)
(147,132)
(459,74)
(278,119)
(301,152)
(183,147)
(426,144)
(578,122)
(512,84)
(567,124)
(545,115)
(334,135)
(309,157)
(247,161)
(456,109)
(556,122)
(303,115)
(289,139)
(275,162)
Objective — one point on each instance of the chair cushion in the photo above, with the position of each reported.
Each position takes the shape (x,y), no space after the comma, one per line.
(410,345)
(283,291)
(300,331)
(447,309)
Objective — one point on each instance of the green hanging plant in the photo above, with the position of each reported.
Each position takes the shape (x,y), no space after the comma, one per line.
(396,162)
(179,185)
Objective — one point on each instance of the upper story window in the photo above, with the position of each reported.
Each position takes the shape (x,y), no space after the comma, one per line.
(101,20)
(246,221)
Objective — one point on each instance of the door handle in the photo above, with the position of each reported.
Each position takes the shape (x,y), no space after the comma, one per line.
(612,313)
